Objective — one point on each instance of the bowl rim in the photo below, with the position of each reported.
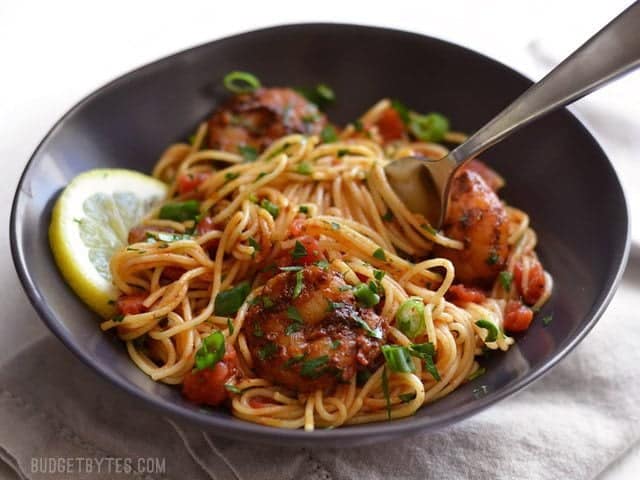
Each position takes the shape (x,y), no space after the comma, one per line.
(236,428)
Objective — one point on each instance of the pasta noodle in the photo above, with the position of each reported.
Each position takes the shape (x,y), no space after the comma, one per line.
(361,227)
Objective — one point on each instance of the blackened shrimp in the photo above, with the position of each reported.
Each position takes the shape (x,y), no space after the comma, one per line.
(306,331)
(258,118)
(478,218)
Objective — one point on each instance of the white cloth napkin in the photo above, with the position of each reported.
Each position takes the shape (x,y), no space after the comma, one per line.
(572,423)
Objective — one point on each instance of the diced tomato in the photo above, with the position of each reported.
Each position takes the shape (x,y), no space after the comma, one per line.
(259,401)
(313,251)
(490,176)
(536,281)
(206,387)
(459,295)
(517,317)
(132,304)
(205,225)
(390,125)
(190,181)
(297,226)
(173,273)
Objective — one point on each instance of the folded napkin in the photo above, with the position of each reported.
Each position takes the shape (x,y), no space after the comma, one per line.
(572,423)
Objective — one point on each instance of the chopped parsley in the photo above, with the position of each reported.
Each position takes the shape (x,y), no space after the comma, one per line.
(402,110)
(342,152)
(254,243)
(379,274)
(270,207)
(299,250)
(118,318)
(329,134)
(180,211)
(379,254)
(358,125)
(546,320)
(323,264)
(268,351)
(506,279)
(388,217)
(314,367)
(230,326)
(294,314)
(229,301)
(335,344)
(373,333)
(249,153)
(303,209)
(304,168)
(231,176)
(493,258)
(407,397)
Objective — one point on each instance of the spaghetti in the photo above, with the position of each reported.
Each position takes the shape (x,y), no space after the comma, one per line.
(209,296)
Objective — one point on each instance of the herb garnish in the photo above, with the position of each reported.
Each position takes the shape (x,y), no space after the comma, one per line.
(379,254)
(249,153)
(229,301)
(506,279)
(373,333)
(180,211)
(304,168)
(299,250)
(297,289)
(388,217)
(272,208)
(314,367)
(493,258)
(268,351)
(329,134)
(211,351)
(492,330)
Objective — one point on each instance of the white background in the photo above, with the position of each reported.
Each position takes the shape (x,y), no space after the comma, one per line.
(54,53)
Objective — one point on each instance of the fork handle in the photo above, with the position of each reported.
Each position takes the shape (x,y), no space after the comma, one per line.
(610,53)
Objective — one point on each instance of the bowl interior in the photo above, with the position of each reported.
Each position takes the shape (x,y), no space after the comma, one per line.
(555,171)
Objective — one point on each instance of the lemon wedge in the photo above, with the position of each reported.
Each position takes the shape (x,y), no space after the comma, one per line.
(91,221)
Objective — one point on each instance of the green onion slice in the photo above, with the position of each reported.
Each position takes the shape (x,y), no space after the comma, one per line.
(492,330)
(241,82)
(410,317)
(398,358)
(211,351)
(366,295)
(428,128)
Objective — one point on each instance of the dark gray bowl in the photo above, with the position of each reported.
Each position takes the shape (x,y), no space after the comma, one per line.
(555,171)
